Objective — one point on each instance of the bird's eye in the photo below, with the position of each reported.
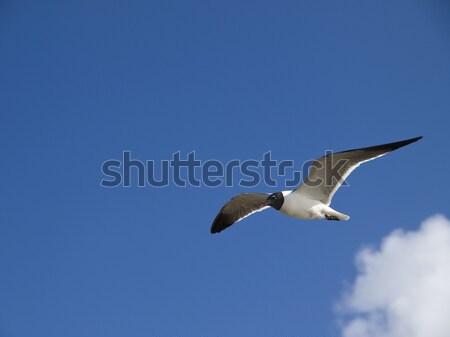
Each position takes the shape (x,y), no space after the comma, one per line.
(272,196)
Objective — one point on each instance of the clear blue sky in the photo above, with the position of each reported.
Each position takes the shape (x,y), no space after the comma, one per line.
(83,81)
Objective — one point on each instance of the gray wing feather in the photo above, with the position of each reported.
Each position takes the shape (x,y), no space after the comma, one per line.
(238,208)
(329,172)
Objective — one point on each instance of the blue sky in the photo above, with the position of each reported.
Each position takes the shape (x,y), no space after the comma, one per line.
(83,81)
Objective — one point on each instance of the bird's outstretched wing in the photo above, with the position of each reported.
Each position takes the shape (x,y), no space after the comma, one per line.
(328,173)
(238,208)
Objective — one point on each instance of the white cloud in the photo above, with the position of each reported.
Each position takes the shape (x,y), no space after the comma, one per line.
(402,289)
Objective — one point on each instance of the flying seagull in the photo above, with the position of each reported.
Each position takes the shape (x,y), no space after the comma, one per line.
(312,199)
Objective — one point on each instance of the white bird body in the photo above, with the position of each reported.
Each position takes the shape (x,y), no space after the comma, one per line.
(300,206)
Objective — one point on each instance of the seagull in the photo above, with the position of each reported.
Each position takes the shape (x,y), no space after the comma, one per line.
(312,199)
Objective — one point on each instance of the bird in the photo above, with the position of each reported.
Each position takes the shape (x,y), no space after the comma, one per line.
(311,200)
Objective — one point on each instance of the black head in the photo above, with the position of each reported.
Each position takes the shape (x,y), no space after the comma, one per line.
(275,200)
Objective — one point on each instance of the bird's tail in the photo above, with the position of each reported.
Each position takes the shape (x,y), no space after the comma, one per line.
(340,216)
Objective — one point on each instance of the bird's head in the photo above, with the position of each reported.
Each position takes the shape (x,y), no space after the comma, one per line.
(275,200)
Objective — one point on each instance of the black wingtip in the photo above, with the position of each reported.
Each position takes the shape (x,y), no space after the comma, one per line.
(405,142)
(412,140)
(387,147)
(220,223)
(216,229)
